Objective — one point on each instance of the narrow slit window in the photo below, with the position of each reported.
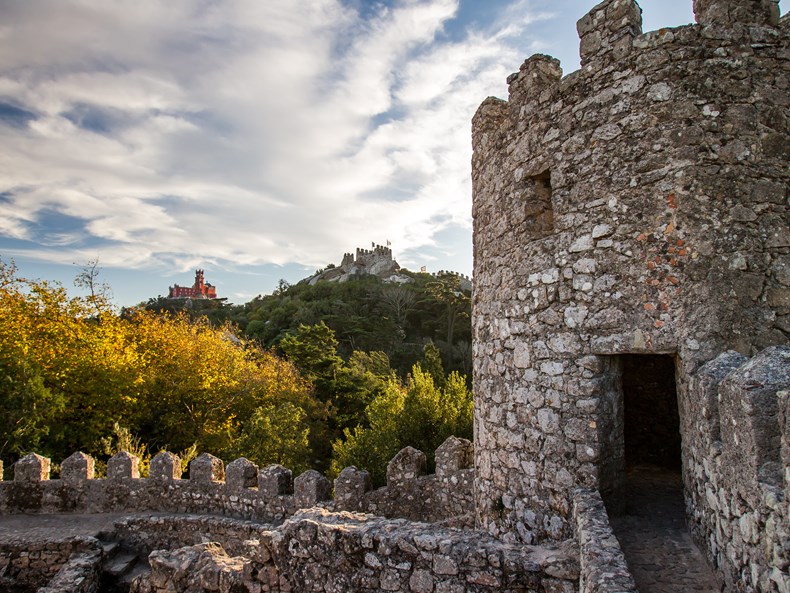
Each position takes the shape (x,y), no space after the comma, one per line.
(538,210)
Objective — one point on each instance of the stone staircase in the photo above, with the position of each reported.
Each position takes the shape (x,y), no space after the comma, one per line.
(121,565)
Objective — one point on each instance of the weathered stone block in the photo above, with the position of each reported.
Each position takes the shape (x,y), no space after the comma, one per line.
(240,474)
(406,466)
(727,12)
(704,394)
(602,30)
(123,465)
(421,581)
(750,417)
(32,468)
(350,488)
(165,466)
(275,480)
(206,469)
(76,468)
(310,488)
(453,455)
(783,400)
(536,74)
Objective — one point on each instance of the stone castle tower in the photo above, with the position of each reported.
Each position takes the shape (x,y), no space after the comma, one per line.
(631,224)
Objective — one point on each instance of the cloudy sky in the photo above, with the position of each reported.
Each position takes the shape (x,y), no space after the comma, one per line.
(258,139)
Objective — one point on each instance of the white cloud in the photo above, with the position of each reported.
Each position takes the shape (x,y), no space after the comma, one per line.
(244,131)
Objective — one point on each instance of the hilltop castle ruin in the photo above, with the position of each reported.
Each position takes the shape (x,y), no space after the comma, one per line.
(632,247)
(377,261)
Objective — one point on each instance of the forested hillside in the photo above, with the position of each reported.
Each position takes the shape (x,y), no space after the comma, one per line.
(312,376)
(366,314)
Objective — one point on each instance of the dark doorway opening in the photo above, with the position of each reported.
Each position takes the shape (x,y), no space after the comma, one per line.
(647,510)
(650,411)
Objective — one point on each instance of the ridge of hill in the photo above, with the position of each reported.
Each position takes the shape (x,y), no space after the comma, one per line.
(369,302)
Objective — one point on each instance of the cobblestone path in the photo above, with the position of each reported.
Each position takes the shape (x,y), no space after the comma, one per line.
(652,532)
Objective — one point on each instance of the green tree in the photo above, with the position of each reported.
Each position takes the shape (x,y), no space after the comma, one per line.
(277,433)
(431,363)
(447,291)
(28,409)
(367,314)
(313,349)
(371,448)
(417,414)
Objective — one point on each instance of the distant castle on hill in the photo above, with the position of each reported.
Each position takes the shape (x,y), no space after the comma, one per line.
(376,261)
(199,290)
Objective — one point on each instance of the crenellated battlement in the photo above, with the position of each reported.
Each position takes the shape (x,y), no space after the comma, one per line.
(607,32)
(378,250)
(241,489)
(611,33)
(315,549)
(464,281)
(441,273)
(732,12)
(377,261)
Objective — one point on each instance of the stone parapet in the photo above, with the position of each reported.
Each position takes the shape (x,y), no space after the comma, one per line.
(77,467)
(207,469)
(602,565)
(351,487)
(268,494)
(608,30)
(165,466)
(343,552)
(738,483)
(32,468)
(123,465)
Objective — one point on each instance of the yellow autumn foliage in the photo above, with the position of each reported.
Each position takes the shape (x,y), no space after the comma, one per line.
(71,370)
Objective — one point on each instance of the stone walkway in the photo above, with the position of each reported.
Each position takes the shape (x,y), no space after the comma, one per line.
(653,535)
(36,528)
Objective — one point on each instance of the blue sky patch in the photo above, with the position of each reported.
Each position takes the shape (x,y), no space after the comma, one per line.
(100,120)
(54,229)
(14,116)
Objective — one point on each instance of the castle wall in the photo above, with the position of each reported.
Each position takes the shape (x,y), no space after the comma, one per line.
(602,565)
(445,497)
(50,566)
(346,552)
(737,470)
(377,262)
(297,550)
(243,491)
(637,205)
